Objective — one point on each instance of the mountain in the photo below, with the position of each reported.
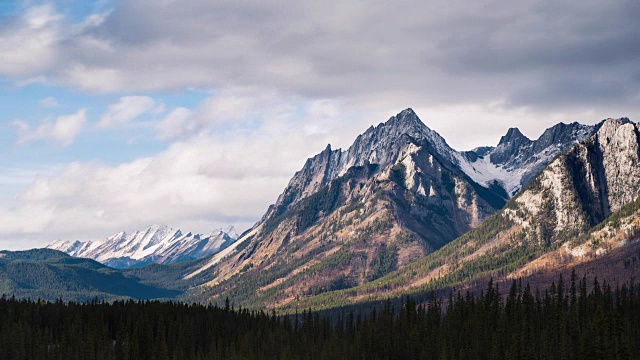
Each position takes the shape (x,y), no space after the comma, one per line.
(396,195)
(581,212)
(156,244)
(50,275)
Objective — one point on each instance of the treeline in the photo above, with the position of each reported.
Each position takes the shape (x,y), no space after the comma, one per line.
(578,319)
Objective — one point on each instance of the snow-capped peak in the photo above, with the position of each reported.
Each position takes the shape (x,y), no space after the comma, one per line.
(513,135)
(156,243)
(517,159)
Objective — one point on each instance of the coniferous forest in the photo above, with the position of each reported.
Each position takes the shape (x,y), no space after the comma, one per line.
(576,319)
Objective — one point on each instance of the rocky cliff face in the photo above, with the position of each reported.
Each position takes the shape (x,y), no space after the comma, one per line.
(584,186)
(381,145)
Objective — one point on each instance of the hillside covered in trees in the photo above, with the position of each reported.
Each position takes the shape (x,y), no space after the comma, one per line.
(50,274)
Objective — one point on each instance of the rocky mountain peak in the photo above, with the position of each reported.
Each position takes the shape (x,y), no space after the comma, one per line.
(405,122)
(609,128)
(380,145)
(406,117)
(513,136)
(231,231)
(509,146)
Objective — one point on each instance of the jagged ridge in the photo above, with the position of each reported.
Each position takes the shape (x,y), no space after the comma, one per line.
(156,244)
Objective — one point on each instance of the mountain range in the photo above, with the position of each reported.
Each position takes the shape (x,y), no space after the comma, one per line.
(581,212)
(396,195)
(156,244)
(400,212)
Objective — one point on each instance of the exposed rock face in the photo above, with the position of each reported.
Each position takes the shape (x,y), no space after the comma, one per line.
(412,166)
(584,186)
(509,146)
(380,145)
(618,144)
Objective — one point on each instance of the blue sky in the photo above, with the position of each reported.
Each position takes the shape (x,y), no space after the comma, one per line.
(115,115)
(28,103)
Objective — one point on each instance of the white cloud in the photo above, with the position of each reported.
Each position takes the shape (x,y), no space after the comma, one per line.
(229,108)
(49,102)
(340,50)
(29,45)
(176,124)
(127,108)
(194,185)
(63,131)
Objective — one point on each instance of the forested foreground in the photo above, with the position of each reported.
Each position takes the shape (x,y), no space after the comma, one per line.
(563,322)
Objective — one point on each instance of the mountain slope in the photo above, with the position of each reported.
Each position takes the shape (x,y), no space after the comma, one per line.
(350,217)
(156,244)
(50,275)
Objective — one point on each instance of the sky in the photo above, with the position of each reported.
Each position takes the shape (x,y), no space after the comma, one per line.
(115,115)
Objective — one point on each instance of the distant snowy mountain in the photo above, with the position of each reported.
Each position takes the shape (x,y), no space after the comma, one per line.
(156,244)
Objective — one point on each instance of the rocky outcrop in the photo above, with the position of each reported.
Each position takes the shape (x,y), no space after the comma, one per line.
(584,186)
(509,147)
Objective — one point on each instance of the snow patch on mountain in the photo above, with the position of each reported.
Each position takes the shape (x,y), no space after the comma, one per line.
(485,173)
(517,159)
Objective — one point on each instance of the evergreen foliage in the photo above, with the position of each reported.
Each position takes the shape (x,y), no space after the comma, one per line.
(384,261)
(565,321)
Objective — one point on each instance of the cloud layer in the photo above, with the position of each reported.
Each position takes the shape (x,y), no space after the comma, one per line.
(527,53)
